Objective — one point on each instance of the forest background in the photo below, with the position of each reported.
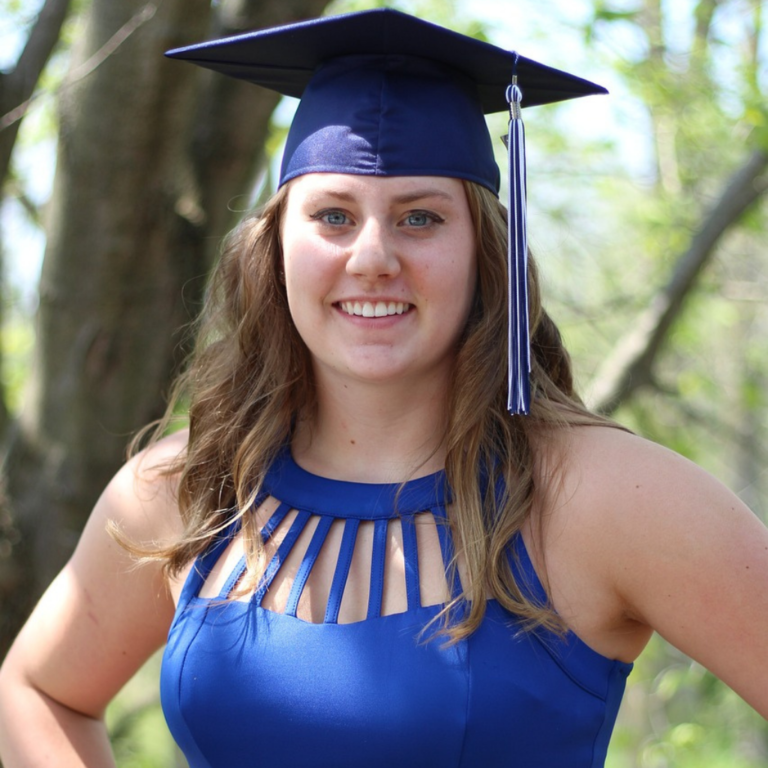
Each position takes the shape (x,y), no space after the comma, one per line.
(648,217)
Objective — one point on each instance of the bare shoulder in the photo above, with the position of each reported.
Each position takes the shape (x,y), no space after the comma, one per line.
(614,455)
(656,542)
(612,479)
(629,495)
(142,497)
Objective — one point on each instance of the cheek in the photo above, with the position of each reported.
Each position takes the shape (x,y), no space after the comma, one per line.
(463,282)
(296,261)
(294,269)
(309,276)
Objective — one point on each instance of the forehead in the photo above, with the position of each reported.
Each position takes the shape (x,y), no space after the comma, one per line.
(380,188)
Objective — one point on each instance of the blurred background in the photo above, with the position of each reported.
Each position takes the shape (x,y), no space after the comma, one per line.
(121,172)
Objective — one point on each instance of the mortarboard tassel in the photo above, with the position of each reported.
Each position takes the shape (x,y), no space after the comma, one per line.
(519,393)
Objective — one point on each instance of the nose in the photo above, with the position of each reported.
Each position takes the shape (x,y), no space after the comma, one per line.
(373,254)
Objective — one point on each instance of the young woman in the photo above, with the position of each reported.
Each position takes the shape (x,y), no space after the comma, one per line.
(355,554)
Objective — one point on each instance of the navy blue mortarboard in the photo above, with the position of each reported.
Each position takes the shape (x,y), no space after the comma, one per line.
(387,94)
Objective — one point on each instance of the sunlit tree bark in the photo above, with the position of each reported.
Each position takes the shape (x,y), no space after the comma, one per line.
(150,153)
(16,93)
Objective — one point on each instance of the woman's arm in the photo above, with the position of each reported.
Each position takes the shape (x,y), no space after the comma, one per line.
(697,572)
(664,545)
(100,619)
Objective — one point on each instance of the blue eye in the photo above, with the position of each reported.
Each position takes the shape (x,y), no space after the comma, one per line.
(420,219)
(336,218)
(331,217)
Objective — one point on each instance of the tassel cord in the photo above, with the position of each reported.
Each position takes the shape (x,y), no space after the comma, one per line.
(519,389)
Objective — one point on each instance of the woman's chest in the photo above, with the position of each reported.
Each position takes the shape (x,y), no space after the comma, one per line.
(330,656)
(241,680)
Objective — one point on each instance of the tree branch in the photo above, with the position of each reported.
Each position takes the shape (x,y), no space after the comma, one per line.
(17,86)
(704,13)
(650,21)
(233,118)
(630,365)
(32,209)
(40,44)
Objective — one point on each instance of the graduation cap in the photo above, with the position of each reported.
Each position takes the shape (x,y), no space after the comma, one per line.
(387,94)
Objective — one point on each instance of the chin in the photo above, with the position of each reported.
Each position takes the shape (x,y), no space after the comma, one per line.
(389,372)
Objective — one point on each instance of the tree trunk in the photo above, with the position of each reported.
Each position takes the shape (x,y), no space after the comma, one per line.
(150,152)
(16,92)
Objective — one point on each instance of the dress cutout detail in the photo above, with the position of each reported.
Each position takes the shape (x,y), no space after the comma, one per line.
(245,685)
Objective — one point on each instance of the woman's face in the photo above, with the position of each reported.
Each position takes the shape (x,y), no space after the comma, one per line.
(380,273)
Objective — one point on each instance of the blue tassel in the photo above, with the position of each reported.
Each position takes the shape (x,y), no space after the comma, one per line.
(519,392)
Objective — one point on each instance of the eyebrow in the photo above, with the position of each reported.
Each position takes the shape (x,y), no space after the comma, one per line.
(422,195)
(405,199)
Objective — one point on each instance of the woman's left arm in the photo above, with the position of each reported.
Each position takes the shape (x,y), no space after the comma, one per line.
(690,560)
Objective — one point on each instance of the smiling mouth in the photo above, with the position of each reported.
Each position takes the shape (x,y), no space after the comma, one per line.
(374,309)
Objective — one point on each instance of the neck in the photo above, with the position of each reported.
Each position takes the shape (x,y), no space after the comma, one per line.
(368,432)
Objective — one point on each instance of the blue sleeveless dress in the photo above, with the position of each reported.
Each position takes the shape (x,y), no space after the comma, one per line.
(244,686)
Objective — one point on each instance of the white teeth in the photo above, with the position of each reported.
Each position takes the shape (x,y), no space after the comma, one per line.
(379,309)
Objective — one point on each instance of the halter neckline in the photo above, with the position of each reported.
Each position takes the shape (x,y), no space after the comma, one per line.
(301,489)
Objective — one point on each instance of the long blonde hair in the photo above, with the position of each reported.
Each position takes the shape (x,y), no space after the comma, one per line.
(250,377)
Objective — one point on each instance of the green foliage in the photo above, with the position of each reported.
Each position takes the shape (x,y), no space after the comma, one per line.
(703,104)
(445,12)
(610,217)
(18,340)
(677,715)
(139,735)
(439,11)
(19,13)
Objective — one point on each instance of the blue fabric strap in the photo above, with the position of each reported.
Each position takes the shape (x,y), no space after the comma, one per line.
(448,552)
(411,552)
(378,556)
(310,556)
(205,562)
(342,571)
(279,557)
(266,532)
(277,517)
(234,578)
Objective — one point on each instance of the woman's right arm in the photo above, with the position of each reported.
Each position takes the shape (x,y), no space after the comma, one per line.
(97,623)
